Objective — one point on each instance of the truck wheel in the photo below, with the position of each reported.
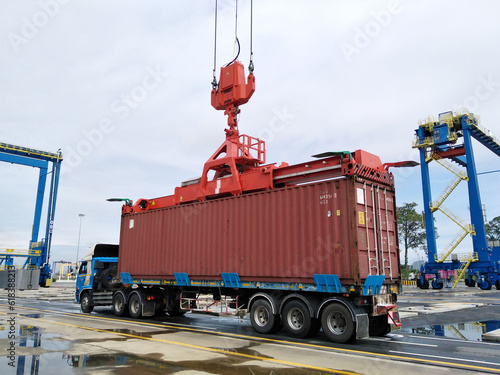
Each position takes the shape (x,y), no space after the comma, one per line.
(379,326)
(262,318)
(337,323)
(85,303)
(119,304)
(107,278)
(484,285)
(497,284)
(135,306)
(297,320)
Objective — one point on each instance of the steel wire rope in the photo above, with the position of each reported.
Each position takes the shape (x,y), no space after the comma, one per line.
(214,81)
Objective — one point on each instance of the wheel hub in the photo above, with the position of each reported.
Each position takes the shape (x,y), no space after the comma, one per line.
(295,319)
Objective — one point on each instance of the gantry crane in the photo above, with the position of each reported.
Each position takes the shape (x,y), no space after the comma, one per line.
(38,254)
(445,141)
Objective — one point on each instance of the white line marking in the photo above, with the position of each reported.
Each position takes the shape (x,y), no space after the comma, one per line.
(447,358)
(454,340)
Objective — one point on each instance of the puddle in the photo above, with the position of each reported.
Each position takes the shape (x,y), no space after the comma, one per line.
(28,350)
(130,364)
(35,316)
(464,331)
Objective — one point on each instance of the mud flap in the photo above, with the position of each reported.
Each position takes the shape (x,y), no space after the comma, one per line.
(362,326)
(148,308)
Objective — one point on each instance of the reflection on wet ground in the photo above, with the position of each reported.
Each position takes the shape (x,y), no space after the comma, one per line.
(37,352)
(466,331)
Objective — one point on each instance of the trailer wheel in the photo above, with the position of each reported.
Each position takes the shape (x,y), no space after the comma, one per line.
(337,323)
(497,284)
(135,306)
(297,320)
(437,285)
(262,318)
(484,285)
(119,304)
(85,303)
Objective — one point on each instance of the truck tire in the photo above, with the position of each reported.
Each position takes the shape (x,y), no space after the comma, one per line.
(262,318)
(337,323)
(497,284)
(119,304)
(85,303)
(135,306)
(297,320)
(107,278)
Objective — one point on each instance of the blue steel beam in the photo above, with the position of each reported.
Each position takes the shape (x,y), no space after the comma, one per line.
(428,215)
(479,242)
(30,153)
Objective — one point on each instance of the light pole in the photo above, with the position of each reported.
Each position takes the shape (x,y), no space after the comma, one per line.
(78,248)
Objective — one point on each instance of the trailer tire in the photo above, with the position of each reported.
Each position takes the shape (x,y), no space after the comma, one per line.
(297,320)
(484,285)
(119,305)
(262,318)
(337,323)
(85,303)
(135,306)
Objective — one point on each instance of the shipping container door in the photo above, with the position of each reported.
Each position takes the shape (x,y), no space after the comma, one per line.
(378,251)
(386,231)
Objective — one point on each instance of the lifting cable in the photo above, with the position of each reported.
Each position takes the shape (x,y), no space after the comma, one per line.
(214,81)
(237,42)
(250,66)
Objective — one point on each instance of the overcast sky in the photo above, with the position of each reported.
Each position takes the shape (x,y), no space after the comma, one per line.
(123,89)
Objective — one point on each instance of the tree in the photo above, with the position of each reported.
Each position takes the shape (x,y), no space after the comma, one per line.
(492,228)
(410,229)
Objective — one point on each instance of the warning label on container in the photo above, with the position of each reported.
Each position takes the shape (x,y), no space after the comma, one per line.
(361,217)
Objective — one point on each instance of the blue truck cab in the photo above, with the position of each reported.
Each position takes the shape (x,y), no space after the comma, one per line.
(96,274)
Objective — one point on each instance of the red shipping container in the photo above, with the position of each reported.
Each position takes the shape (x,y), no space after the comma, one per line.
(345,226)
